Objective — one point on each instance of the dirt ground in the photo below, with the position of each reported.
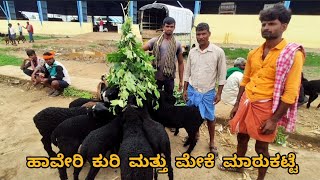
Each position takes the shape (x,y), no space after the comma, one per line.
(19,137)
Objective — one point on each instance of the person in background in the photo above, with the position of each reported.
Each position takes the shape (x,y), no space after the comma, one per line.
(12,34)
(56,75)
(36,64)
(231,88)
(101,25)
(29,28)
(20,29)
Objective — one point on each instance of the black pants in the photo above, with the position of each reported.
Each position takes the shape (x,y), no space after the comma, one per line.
(28,72)
(168,85)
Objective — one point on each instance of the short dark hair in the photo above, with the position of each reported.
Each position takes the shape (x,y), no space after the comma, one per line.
(47,54)
(278,11)
(202,27)
(9,24)
(169,20)
(30,52)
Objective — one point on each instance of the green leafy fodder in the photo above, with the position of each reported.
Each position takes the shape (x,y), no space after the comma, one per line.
(132,70)
(281,138)
(179,97)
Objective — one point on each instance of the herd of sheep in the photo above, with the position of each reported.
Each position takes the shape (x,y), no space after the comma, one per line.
(94,130)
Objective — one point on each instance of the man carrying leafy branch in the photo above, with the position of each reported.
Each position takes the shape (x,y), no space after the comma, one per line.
(166,50)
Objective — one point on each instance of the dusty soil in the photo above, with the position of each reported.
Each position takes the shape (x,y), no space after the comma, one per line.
(19,103)
(20,138)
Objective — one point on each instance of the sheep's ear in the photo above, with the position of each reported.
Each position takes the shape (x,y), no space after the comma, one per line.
(99,107)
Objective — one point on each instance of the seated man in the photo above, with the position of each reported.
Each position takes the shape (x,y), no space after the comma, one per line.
(238,66)
(36,64)
(56,75)
(231,88)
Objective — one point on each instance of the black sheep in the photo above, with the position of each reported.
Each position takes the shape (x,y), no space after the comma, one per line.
(49,118)
(69,134)
(81,101)
(178,117)
(100,141)
(106,95)
(158,139)
(311,88)
(134,143)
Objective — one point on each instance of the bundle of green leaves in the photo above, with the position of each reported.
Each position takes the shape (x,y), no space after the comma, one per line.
(132,70)
(281,138)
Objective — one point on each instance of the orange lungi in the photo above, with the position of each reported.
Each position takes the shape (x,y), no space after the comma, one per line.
(250,117)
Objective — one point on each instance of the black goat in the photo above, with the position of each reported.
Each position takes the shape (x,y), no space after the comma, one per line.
(134,143)
(69,135)
(178,117)
(49,118)
(311,88)
(100,141)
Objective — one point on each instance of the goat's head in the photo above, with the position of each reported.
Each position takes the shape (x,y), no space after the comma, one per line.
(98,111)
(109,93)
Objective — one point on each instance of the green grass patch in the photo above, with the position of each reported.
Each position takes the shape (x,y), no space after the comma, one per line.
(37,37)
(39,46)
(9,60)
(70,91)
(6,49)
(234,53)
(93,45)
(312,59)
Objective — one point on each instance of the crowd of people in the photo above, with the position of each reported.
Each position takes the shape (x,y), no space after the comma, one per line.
(263,89)
(13,35)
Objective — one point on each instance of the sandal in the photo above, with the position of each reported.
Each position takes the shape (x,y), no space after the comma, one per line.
(230,169)
(214,150)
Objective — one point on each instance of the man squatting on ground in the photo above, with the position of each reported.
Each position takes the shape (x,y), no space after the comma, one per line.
(56,75)
(36,64)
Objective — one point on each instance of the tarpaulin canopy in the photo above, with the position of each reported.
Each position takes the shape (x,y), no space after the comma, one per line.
(182,16)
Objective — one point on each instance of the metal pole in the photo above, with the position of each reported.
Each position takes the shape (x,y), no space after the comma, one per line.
(197,6)
(40,12)
(131,9)
(80,18)
(287,4)
(8,10)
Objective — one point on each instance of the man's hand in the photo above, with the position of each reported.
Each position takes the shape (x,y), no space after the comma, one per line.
(268,127)
(185,96)
(217,99)
(33,77)
(180,86)
(234,110)
(44,80)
